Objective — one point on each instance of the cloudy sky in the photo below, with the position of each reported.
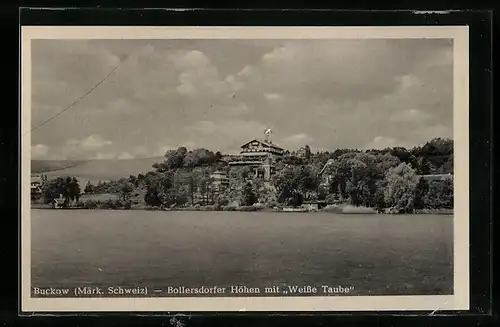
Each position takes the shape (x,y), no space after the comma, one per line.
(218,94)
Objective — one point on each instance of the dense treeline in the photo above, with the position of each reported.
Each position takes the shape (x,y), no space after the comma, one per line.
(388,178)
(65,188)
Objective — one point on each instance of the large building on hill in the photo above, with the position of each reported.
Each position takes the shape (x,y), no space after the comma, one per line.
(220,181)
(259,155)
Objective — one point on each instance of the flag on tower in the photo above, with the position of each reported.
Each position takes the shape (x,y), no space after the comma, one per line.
(267,132)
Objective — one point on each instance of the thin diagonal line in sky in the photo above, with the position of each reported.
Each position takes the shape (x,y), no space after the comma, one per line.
(79,99)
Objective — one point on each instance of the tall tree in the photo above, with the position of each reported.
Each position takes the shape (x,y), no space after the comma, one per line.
(152,196)
(53,188)
(421,193)
(447,167)
(405,156)
(379,196)
(173,159)
(293,183)
(401,183)
(424,166)
(385,162)
(307,152)
(89,188)
(439,195)
(192,184)
(126,188)
(339,172)
(71,190)
(134,180)
(248,196)
(359,193)
(199,157)
(159,188)
(322,193)
(438,151)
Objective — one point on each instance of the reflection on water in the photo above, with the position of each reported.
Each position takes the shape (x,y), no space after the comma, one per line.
(377,254)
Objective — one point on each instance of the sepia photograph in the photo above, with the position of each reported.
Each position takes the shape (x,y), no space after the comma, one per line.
(244,169)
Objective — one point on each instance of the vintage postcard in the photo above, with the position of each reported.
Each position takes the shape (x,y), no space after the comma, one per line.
(185,169)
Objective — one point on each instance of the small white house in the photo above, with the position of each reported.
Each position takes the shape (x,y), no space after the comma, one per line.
(58,203)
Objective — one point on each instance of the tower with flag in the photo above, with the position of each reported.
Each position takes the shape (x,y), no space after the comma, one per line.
(267,134)
(259,154)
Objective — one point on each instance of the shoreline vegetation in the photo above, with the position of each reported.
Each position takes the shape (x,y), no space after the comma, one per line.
(346,181)
(347,209)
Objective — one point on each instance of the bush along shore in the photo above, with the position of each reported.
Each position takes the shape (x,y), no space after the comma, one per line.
(394,181)
(336,209)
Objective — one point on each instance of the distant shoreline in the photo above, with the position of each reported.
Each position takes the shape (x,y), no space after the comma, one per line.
(254,209)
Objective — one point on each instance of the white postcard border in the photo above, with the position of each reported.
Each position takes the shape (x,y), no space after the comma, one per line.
(458,301)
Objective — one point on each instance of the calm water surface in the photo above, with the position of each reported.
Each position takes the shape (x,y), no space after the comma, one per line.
(377,254)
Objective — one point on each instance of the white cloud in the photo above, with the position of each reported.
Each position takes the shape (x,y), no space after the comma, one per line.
(273,96)
(198,74)
(204,127)
(93,146)
(352,70)
(248,70)
(226,134)
(233,109)
(234,85)
(40,151)
(186,89)
(187,144)
(55,84)
(125,155)
(278,54)
(408,81)
(340,93)
(161,149)
(297,140)
(229,128)
(412,115)
(94,141)
(118,105)
(191,60)
(426,133)
(139,151)
(104,156)
(138,57)
(238,109)
(382,142)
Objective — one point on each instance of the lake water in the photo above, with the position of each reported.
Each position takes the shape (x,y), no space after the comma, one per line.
(375,254)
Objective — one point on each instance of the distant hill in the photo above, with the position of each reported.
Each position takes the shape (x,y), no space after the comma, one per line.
(42,166)
(93,170)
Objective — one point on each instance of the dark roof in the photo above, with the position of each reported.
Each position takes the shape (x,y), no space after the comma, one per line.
(269,144)
(243,163)
(254,153)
